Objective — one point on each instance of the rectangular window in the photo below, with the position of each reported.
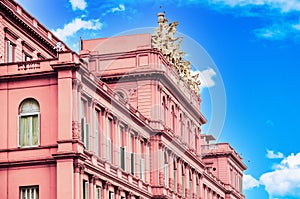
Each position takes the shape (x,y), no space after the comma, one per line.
(96,131)
(240,184)
(84,125)
(183,188)
(27,57)
(175,179)
(98,192)
(235,181)
(122,149)
(166,171)
(109,144)
(29,127)
(132,154)
(9,51)
(85,189)
(111,195)
(142,169)
(31,192)
(123,157)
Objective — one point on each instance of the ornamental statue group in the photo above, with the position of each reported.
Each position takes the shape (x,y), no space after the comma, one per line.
(164,40)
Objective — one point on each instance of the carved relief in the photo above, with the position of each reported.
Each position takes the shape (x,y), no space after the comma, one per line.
(164,40)
(76,130)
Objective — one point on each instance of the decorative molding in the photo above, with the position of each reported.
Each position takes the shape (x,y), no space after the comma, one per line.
(76,126)
(78,167)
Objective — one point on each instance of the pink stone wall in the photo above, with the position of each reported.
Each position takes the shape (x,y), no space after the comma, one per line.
(43,176)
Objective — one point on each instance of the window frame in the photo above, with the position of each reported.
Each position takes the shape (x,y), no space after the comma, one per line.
(109,134)
(85,126)
(26,115)
(97,131)
(26,188)
(27,57)
(122,143)
(98,194)
(85,189)
(10,47)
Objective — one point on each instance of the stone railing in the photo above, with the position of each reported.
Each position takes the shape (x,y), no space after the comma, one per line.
(219,148)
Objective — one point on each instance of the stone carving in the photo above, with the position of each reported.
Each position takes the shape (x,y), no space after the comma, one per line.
(59,47)
(164,39)
(75,130)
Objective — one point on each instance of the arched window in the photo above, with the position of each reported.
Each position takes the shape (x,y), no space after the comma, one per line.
(121,94)
(29,123)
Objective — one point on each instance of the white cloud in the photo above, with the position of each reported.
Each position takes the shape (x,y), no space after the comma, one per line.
(119,8)
(76,25)
(205,77)
(249,182)
(78,4)
(272,155)
(296,26)
(292,161)
(271,33)
(285,179)
(282,5)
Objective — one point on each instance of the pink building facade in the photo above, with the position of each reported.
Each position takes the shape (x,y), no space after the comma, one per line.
(119,120)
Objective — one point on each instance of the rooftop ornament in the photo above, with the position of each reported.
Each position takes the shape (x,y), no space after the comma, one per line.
(164,40)
(59,47)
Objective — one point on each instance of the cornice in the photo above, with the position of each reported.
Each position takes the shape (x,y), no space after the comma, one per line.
(28,162)
(151,74)
(25,28)
(226,154)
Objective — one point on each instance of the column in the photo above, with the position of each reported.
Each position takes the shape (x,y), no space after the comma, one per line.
(171,170)
(201,186)
(78,168)
(75,112)
(147,162)
(194,184)
(179,176)
(91,186)
(187,181)
(105,190)
(137,156)
(154,159)
(65,106)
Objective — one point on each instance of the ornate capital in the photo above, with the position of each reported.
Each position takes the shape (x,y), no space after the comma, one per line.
(106,184)
(79,167)
(92,179)
(75,83)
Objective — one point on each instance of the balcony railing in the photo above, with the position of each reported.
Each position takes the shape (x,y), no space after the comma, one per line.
(219,148)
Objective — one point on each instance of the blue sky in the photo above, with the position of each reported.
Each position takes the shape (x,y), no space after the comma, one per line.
(251,70)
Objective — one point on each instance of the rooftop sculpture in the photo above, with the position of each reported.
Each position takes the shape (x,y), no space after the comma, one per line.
(164,39)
